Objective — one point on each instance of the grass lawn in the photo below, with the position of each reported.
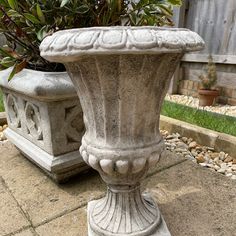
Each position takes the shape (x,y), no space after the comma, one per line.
(1,102)
(205,119)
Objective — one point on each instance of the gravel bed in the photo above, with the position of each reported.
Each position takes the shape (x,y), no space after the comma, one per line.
(2,136)
(194,102)
(205,156)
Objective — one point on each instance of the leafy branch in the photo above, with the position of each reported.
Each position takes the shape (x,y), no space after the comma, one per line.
(26,22)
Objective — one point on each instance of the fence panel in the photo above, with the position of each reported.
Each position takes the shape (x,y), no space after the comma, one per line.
(215,21)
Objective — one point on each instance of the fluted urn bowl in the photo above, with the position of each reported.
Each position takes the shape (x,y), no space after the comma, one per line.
(121,75)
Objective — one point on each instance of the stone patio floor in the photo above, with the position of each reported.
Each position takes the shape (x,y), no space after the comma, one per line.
(193,200)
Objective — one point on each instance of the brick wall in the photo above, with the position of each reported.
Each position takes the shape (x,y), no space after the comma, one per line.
(190,88)
(227,96)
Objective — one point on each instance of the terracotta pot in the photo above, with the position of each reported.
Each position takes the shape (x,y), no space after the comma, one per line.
(122,75)
(207,97)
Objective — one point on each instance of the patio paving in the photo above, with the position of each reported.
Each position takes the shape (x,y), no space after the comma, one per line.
(193,200)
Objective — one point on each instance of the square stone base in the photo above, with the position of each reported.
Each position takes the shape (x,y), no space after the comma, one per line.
(161,231)
(59,168)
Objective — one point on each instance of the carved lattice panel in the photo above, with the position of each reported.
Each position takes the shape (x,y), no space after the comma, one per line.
(33,120)
(13,111)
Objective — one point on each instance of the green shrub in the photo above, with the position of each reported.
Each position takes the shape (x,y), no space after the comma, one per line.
(209,80)
(25,23)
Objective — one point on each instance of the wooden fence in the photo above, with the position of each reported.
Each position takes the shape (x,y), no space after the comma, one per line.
(215,21)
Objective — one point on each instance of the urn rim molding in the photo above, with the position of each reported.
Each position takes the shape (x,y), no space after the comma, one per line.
(68,45)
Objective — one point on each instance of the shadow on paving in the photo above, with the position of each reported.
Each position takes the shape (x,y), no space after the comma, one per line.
(194,200)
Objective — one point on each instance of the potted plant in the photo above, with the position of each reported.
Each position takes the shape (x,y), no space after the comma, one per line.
(40,99)
(208,93)
(121,74)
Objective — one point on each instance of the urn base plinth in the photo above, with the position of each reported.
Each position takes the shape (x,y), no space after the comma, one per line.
(157,228)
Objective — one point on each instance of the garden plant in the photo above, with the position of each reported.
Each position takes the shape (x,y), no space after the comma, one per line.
(208,93)
(25,23)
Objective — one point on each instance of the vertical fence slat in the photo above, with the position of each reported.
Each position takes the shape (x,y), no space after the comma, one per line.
(215,21)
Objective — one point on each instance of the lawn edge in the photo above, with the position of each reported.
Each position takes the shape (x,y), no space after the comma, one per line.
(218,141)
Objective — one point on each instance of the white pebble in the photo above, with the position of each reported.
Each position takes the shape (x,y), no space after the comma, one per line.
(233,177)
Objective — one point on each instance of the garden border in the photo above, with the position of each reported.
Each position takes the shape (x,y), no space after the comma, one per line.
(218,141)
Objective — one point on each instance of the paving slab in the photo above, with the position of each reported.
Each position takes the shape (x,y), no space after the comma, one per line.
(28,232)
(41,198)
(11,216)
(72,224)
(166,161)
(195,201)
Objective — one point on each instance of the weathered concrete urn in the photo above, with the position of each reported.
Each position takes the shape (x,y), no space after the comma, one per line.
(121,75)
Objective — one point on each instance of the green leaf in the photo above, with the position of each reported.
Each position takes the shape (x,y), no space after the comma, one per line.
(13,4)
(13,72)
(13,13)
(42,33)
(133,18)
(40,14)
(64,2)
(167,11)
(83,9)
(175,2)
(17,68)
(3,3)
(58,21)
(5,53)
(31,18)
(7,62)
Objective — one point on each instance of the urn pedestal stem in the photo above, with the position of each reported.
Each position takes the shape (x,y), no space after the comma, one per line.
(121,75)
(124,210)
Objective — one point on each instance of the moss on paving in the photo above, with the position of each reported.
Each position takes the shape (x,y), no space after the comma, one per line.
(214,121)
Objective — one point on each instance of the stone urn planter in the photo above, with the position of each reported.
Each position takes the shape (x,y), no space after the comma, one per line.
(45,120)
(121,75)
